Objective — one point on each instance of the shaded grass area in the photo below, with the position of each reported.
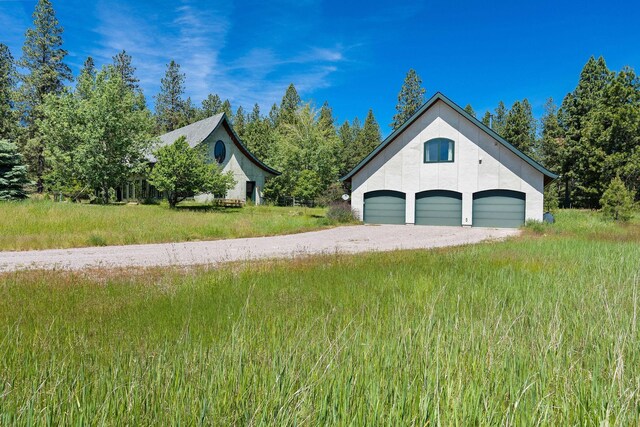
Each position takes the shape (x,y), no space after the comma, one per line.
(541,329)
(46,225)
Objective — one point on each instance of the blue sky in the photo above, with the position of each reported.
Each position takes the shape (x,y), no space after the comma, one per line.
(353,54)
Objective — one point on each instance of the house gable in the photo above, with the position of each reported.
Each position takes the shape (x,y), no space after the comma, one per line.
(407,126)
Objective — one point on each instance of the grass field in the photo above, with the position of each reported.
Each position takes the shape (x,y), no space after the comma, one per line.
(541,330)
(46,225)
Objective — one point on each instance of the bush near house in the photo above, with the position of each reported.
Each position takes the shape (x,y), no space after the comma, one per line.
(182,171)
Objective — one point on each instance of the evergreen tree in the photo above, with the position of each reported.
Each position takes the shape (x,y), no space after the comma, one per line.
(227,110)
(410,98)
(369,138)
(469,109)
(584,160)
(258,135)
(239,122)
(8,119)
(519,128)
(13,173)
(289,106)
(349,135)
(326,117)
(552,142)
(617,201)
(211,106)
(274,113)
(552,151)
(486,119)
(190,113)
(169,102)
(86,79)
(127,72)
(46,73)
(499,118)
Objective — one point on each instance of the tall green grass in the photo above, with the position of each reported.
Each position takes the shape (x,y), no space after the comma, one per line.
(41,224)
(539,330)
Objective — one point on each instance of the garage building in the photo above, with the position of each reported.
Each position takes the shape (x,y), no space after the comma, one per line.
(444,167)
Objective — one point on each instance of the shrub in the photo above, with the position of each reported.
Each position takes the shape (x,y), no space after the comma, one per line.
(617,201)
(341,212)
(332,194)
(13,173)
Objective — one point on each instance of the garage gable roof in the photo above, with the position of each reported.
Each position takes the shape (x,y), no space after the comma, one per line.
(440,97)
(197,132)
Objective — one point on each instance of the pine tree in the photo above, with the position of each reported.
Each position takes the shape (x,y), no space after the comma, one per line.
(370,136)
(258,135)
(326,121)
(86,79)
(410,98)
(8,119)
(43,59)
(227,110)
(519,127)
(289,105)
(499,118)
(240,122)
(169,102)
(469,109)
(13,173)
(190,113)
(349,135)
(274,113)
(486,119)
(127,72)
(584,160)
(211,106)
(617,201)
(552,150)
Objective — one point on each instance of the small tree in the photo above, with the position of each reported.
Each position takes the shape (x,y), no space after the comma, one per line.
(13,173)
(182,171)
(617,201)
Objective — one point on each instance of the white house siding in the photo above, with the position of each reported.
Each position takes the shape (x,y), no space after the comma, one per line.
(400,166)
(243,169)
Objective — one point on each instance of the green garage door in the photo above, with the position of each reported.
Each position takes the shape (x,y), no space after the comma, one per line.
(439,207)
(498,208)
(384,207)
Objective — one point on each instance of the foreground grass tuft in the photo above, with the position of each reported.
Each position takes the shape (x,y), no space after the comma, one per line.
(39,224)
(537,330)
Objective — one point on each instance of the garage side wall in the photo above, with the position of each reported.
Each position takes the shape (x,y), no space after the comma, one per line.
(243,169)
(480,163)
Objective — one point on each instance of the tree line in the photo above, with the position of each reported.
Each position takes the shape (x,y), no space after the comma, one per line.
(93,132)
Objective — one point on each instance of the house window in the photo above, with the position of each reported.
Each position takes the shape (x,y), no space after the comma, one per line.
(219,152)
(438,150)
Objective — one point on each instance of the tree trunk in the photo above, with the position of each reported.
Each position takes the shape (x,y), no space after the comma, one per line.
(105,194)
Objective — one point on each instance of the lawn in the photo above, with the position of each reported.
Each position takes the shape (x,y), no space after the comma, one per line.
(541,329)
(46,225)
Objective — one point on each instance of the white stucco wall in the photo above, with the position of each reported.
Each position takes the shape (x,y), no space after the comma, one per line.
(243,169)
(480,163)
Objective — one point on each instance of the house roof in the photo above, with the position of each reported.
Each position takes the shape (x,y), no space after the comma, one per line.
(549,176)
(197,132)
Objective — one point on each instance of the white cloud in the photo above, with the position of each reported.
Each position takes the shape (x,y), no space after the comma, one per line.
(201,40)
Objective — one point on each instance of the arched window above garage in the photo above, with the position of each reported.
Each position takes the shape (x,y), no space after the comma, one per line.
(439,150)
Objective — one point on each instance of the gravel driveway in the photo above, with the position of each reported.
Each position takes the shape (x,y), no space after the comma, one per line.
(351,239)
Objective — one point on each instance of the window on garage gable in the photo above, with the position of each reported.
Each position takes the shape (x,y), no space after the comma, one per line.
(438,150)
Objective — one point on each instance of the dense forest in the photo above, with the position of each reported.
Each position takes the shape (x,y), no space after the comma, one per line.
(90,132)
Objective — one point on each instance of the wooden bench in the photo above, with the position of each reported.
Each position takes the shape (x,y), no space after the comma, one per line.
(228,203)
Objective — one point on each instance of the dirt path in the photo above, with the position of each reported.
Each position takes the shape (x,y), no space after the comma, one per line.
(351,239)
